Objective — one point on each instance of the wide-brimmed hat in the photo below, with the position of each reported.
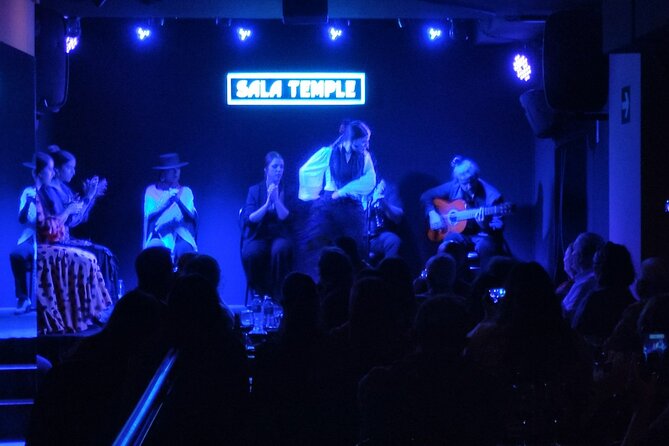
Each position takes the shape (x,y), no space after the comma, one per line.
(170,161)
(32,164)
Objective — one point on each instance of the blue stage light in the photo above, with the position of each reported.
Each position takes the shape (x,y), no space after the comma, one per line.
(143,33)
(335,33)
(71,43)
(72,33)
(244,34)
(434,33)
(522,67)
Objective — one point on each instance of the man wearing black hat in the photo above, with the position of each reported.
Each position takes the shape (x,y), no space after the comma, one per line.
(170,217)
(22,257)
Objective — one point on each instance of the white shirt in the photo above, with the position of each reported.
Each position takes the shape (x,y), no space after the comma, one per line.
(318,166)
(29,227)
(170,223)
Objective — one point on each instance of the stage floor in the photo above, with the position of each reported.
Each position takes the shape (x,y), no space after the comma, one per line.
(17,325)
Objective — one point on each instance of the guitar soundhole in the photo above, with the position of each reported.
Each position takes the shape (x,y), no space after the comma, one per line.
(452,218)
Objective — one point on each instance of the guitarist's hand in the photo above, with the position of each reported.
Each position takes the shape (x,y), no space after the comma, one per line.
(480,215)
(496,223)
(436,222)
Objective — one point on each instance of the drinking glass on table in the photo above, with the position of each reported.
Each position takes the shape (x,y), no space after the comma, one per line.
(246,325)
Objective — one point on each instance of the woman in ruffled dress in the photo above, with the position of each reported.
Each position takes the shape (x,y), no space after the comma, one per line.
(70,290)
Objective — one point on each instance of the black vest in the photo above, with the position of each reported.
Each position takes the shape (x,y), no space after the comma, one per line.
(343,172)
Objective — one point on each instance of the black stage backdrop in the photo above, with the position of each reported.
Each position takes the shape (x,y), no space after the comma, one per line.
(129,102)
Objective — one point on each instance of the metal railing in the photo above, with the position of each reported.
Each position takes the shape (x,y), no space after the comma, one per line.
(138,424)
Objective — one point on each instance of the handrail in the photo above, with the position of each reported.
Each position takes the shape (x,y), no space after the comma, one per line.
(133,427)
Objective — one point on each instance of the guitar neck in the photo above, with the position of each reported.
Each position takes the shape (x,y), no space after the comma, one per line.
(469,214)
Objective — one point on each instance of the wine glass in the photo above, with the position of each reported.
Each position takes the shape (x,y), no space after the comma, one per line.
(278,316)
(246,325)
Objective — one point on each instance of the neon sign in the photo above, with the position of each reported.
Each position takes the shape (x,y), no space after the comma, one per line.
(295,88)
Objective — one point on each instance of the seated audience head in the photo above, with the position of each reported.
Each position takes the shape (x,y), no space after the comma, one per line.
(459,254)
(195,313)
(371,319)
(654,317)
(530,301)
(183,260)
(396,273)
(653,278)
(613,266)
(155,272)
(441,326)
(500,267)
(654,320)
(206,266)
(493,275)
(583,251)
(350,247)
(135,319)
(300,301)
(440,273)
(334,269)
(568,261)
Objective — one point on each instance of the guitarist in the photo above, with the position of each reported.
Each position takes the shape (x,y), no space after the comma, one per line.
(482,234)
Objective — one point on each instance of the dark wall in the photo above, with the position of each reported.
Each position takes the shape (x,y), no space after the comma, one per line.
(17,140)
(655,134)
(128,103)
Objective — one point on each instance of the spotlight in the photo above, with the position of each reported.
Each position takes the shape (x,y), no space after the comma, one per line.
(72,33)
(335,33)
(243,34)
(522,67)
(143,33)
(434,33)
(71,43)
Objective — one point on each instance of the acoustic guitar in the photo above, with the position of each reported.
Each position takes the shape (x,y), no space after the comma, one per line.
(456,215)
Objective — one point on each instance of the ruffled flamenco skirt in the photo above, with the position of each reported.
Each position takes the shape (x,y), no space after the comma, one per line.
(70,289)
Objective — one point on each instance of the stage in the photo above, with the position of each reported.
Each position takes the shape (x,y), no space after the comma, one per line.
(17,325)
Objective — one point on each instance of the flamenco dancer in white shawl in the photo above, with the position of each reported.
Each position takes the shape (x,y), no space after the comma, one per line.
(336,180)
(170,217)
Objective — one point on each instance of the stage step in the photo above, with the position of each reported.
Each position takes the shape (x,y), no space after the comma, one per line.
(18,387)
(18,351)
(14,418)
(17,381)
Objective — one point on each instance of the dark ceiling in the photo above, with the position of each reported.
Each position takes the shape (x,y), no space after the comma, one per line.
(347,9)
(495,21)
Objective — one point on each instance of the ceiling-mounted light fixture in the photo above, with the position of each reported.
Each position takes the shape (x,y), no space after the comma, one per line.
(522,67)
(72,33)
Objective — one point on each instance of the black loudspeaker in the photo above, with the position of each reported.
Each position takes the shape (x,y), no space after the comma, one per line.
(305,12)
(575,68)
(50,60)
(545,122)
